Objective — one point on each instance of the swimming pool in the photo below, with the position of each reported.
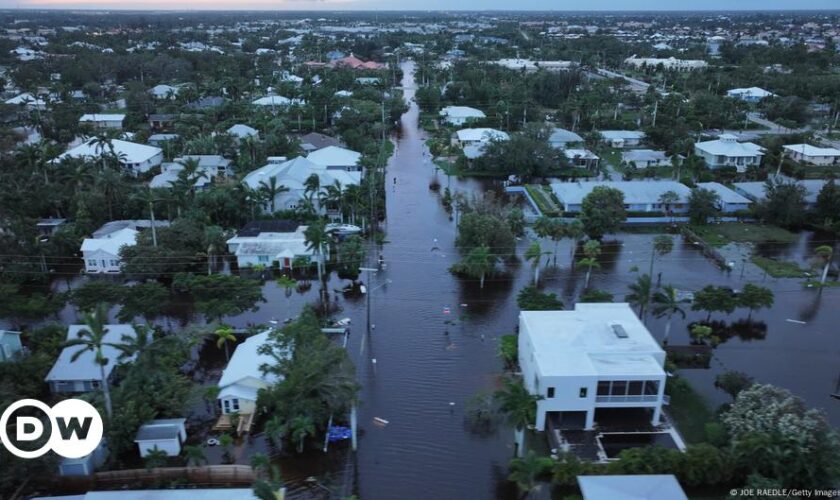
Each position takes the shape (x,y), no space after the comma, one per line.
(612,443)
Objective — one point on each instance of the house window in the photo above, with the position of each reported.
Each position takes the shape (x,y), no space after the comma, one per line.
(619,388)
(652,387)
(115,263)
(263,258)
(583,391)
(235,403)
(95,384)
(604,388)
(549,393)
(635,388)
(91,262)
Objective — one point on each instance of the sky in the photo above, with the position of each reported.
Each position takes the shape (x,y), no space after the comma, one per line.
(561,5)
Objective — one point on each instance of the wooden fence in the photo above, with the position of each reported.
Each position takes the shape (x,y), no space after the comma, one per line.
(707,249)
(210,475)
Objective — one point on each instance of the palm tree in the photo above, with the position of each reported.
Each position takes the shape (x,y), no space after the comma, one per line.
(824,253)
(666,303)
(519,408)
(534,254)
(92,339)
(525,472)
(300,428)
(156,458)
(312,185)
(591,249)
(149,196)
(640,294)
(136,344)
(224,334)
(271,190)
(271,489)
(574,231)
(194,455)
(479,263)
(662,245)
(275,430)
(103,145)
(316,237)
(260,462)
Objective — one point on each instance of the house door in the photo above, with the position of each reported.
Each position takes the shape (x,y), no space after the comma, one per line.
(287,263)
(226,406)
(103,264)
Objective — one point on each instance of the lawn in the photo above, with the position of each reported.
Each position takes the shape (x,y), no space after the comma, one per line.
(543,200)
(779,268)
(689,410)
(719,235)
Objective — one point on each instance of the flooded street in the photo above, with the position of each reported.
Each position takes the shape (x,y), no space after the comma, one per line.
(434,338)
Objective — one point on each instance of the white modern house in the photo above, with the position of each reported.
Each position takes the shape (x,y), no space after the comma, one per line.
(460,115)
(165,434)
(269,246)
(622,138)
(631,487)
(278,101)
(163,91)
(336,158)
(644,158)
(242,378)
(750,94)
(728,200)
(10,345)
(594,357)
(293,175)
(83,374)
(209,167)
(29,101)
(102,254)
(136,158)
(242,131)
(726,151)
(639,196)
(472,136)
(581,157)
(812,155)
(105,121)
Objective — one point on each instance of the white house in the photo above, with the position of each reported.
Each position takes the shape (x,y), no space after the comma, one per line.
(336,158)
(242,378)
(293,175)
(86,465)
(583,158)
(10,345)
(268,245)
(811,155)
(102,255)
(470,136)
(164,91)
(751,94)
(136,158)
(28,100)
(209,167)
(631,487)
(595,356)
(643,158)
(669,63)
(109,121)
(84,374)
(561,138)
(460,115)
(241,131)
(277,101)
(165,434)
(639,196)
(622,138)
(728,200)
(728,152)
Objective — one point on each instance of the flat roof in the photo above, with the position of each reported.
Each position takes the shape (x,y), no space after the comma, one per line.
(156,430)
(85,366)
(726,195)
(583,341)
(631,487)
(635,192)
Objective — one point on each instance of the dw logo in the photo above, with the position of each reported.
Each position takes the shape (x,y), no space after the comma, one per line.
(75,428)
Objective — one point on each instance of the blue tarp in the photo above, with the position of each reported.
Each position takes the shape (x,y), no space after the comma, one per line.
(338,433)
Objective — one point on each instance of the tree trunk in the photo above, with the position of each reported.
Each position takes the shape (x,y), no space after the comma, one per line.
(667,331)
(825,272)
(482,280)
(106,391)
(586,282)
(537,275)
(154,231)
(519,442)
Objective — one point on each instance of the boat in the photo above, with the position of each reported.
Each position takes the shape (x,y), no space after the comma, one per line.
(343,229)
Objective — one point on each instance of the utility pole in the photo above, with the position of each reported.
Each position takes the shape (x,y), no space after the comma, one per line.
(367,293)
(655,109)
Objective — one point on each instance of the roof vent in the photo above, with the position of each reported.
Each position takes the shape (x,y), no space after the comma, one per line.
(619,330)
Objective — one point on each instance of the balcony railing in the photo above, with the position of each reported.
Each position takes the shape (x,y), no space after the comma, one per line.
(652,398)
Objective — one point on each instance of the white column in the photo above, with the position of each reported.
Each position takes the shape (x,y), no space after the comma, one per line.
(657,410)
(590,419)
(540,418)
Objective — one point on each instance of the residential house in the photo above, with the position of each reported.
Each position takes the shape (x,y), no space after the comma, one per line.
(755,190)
(670,63)
(243,377)
(812,155)
(135,158)
(10,345)
(471,136)
(209,168)
(159,139)
(206,103)
(728,200)
(728,152)
(161,121)
(103,121)
(164,91)
(751,94)
(314,140)
(644,158)
(336,158)
(165,434)
(270,243)
(136,224)
(561,138)
(29,101)
(354,62)
(293,175)
(461,115)
(277,101)
(594,357)
(582,158)
(368,80)
(102,255)
(83,374)
(639,196)
(48,227)
(240,131)
(86,465)
(622,138)
(631,487)
(530,66)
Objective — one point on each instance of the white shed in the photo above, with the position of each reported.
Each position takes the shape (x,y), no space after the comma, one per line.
(166,434)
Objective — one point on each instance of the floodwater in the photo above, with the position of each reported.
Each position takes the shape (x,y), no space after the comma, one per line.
(434,338)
